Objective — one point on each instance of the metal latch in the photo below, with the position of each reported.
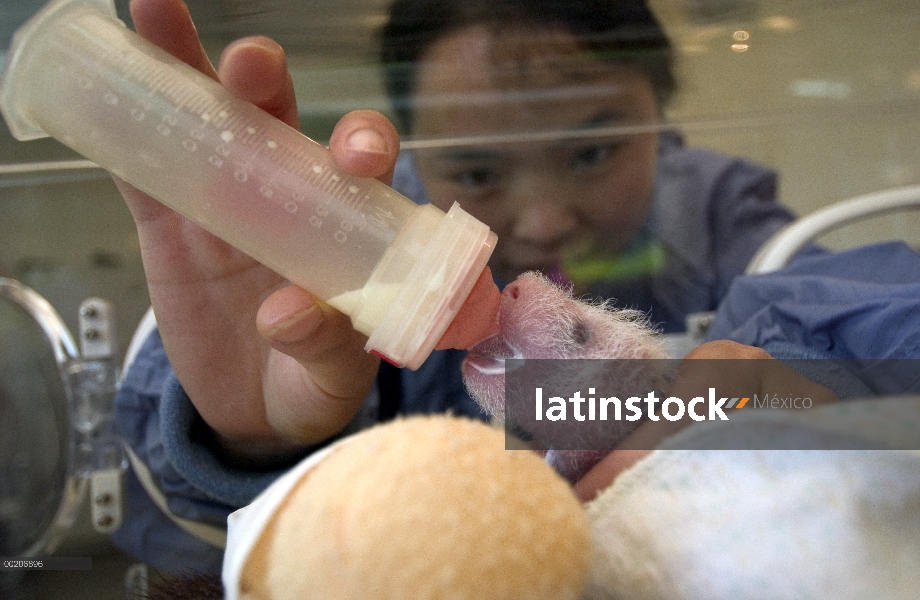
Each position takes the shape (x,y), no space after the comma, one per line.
(98,454)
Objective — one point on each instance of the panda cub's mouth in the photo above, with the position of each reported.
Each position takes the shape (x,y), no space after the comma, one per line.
(489,356)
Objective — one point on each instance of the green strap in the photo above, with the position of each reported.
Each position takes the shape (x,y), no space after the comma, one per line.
(644,261)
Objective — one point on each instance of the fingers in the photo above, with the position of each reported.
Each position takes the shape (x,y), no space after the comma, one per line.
(309,330)
(256,70)
(168,24)
(726,349)
(253,68)
(365,143)
(603,473)
(311,335)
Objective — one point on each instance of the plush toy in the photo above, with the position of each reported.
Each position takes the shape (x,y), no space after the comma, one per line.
(426,508)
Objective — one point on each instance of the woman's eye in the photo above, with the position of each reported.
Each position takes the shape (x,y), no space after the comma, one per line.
(475,178)
(591,156)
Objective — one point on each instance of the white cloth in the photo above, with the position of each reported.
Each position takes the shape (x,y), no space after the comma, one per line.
(245,525)
(771,524)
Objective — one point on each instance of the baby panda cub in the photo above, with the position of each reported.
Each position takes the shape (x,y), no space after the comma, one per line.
(539,320)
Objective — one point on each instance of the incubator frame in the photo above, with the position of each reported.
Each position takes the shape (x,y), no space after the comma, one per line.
(94,461)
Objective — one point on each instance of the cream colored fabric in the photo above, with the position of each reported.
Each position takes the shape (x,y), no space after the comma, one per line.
(424,507)
(245,525)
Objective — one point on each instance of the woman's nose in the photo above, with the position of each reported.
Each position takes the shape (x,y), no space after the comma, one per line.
(543,220)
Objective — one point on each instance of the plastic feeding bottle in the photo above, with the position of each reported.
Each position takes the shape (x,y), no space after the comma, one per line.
(401,271)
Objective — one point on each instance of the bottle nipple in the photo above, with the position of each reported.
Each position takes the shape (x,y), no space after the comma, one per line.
(477,319)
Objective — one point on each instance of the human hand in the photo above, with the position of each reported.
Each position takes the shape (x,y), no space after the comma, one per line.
(269,367)
(753,371)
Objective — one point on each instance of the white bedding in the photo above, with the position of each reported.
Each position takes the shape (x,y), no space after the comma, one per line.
(771,524)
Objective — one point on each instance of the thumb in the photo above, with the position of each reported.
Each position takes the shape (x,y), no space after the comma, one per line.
(320,339)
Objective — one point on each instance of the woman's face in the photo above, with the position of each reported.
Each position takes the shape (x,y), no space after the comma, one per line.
(547,199)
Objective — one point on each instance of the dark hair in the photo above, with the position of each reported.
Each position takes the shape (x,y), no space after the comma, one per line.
(624,31)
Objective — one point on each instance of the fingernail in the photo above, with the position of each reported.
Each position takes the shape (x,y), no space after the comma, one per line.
(367,141)
(297,326)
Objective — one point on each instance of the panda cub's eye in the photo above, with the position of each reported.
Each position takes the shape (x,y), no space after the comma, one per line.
(580,333)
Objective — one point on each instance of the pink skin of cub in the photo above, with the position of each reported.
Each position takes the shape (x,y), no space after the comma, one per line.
(539,320)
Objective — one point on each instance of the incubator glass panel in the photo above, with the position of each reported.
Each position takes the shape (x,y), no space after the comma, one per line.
(34,442)
(826,93)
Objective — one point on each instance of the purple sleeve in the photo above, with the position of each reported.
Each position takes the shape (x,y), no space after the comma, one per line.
(160,426)
(860,303)
(712,212)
